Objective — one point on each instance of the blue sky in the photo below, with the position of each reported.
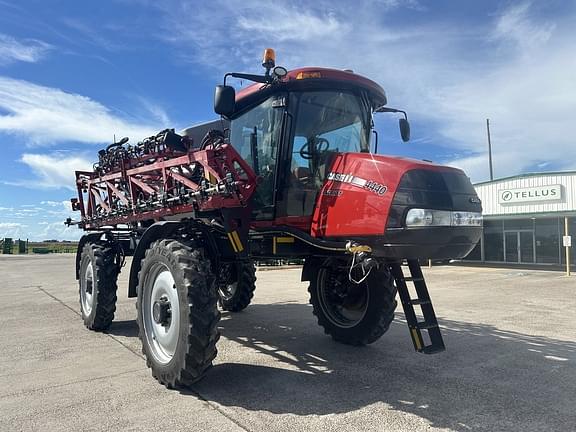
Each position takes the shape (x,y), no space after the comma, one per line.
(74,74)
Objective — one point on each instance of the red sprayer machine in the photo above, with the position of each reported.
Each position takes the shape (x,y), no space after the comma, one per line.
(287,172)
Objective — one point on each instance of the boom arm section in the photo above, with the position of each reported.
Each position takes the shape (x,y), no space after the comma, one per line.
(164,183)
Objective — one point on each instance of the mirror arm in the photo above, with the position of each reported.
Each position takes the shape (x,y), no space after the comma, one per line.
(391,110)
(264,79)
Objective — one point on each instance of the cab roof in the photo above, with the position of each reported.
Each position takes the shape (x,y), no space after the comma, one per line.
(315,77)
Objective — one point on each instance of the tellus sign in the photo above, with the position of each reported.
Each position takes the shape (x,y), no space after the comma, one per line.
(530,194)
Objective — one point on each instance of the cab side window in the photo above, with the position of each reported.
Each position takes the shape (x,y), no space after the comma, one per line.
(255,135)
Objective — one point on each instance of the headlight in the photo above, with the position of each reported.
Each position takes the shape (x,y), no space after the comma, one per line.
(428,217)
(460,218)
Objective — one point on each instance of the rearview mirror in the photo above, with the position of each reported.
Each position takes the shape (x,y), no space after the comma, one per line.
(404,129)
(224,100)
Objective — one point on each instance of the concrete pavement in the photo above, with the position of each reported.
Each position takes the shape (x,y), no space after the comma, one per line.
(510,362)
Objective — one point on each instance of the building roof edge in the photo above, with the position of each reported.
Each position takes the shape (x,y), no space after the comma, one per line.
(519,176)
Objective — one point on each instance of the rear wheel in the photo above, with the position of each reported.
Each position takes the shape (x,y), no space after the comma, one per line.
(236,285)
(354,314)
(97,285)
(177,312)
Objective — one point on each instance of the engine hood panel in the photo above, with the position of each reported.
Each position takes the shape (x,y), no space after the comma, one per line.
(364,194)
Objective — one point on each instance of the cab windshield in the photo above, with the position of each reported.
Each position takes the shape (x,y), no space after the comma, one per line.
(331,121)
(325,123)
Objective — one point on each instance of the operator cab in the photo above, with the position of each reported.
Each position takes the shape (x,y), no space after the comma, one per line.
(290,139)
(290,126)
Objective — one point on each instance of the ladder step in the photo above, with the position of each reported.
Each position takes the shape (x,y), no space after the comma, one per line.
(419,302)
(413,279)
(422,298)
(426,326)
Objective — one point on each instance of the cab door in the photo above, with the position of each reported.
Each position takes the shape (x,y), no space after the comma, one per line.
(323,123)
(256,135)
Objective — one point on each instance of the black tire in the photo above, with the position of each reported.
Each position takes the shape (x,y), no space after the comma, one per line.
(236,285)
(97,285)
(353,314)
(195,329)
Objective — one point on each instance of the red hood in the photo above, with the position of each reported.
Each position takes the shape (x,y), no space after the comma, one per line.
(358,193)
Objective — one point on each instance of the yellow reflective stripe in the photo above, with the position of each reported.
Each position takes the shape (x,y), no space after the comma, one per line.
(232,241)
(276,240)
(284,239)
(236,238)
(416,339)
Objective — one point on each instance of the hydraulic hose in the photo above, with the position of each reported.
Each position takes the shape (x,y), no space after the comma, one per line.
(306,238)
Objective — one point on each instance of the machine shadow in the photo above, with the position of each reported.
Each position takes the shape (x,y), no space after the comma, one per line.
(126,328)
(472,385)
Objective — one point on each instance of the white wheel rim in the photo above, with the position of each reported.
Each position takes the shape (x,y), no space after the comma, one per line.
(87,290)
(161,338)
(228,291)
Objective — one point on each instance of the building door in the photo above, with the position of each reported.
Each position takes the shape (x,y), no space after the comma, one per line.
(519,246)
(511,246)
(526,246)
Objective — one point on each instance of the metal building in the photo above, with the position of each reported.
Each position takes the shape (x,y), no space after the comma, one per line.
(526,219)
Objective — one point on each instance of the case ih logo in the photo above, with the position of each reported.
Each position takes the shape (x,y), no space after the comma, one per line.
(372,186)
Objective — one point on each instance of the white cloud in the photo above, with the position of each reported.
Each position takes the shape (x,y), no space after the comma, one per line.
(516,25)
(94,36)
(48,115)
(51,203)
(46,223)
(39,231)
(12,230)
(285,23)
(158,114)
(528,97)
(58,231)
(243,29)
(54,171)
(5,225)
(29,50)
(66,205)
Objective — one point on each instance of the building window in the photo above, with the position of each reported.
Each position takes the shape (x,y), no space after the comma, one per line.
(571,232)
(547,241)
(493,241)
(518,224)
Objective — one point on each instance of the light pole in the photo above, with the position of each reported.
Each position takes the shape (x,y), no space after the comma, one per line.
(489,149)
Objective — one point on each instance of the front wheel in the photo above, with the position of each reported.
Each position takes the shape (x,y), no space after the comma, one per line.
(354,314)
(177,312)
(236,285)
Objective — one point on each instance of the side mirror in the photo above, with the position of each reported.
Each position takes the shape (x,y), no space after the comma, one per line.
(404,129)
(224,100)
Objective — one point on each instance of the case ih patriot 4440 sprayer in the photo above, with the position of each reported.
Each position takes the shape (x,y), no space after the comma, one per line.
(287,172)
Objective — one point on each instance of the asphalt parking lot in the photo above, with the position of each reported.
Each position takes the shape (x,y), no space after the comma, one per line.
(510,362)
